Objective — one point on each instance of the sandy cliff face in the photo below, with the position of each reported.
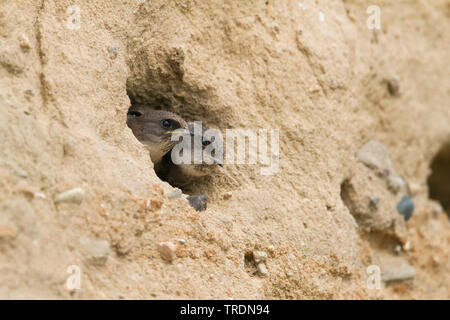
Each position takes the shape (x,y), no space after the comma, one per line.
(313,70)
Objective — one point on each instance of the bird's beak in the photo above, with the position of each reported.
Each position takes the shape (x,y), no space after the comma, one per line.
(179,132)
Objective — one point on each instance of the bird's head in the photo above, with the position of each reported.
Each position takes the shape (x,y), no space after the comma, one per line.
(209,161)
(154,129)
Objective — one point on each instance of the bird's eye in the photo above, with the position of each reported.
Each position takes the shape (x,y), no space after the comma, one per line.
(206,142)
(134,113)
(166,123)
(170,124)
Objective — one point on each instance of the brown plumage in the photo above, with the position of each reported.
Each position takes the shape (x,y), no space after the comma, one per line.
(154,129)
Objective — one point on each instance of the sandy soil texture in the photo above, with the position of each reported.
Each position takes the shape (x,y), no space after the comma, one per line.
(364,131)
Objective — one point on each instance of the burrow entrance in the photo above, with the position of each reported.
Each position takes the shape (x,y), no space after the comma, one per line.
(157,78)
(197,185)
(439,179)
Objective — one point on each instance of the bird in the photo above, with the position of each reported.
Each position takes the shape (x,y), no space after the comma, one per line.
(154,129)
(182,174)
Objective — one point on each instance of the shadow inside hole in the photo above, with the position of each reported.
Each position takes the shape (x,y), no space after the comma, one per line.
(439,179)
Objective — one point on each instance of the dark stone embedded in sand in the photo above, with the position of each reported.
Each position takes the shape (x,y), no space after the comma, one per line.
(198,202)
(406,207)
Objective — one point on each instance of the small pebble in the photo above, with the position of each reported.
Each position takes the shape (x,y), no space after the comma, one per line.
(393,86)
(395,183)
(167,250)
(407,246)
(75,196)
(198,202)
(415,188)
(262,269)
(20,172)
(436,260)
(24,42)
(227,195)
(399,273)
(96,250)
(175,194)
(259,256)
(182,241)
(374,155)
(406,207)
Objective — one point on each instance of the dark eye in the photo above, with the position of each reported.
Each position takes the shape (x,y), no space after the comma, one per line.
(170,124)
(134,113)
(206,142)
(167,123)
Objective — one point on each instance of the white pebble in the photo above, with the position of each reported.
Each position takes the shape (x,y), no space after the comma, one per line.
(24,42)
(395,183)
(399,273)
(375,155)
(167,250)
(407,246)
(259,256)
(72,196)
(262,269)
(97,250)
(415,188)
